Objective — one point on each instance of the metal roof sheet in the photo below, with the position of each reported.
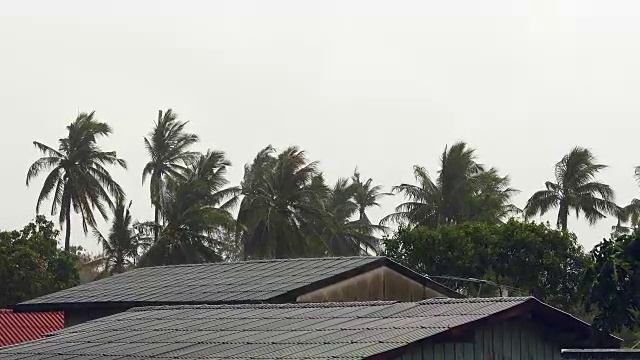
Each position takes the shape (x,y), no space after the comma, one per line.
(265,331)
(19,327)
(216,283)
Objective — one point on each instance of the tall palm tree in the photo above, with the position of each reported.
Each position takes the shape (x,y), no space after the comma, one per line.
(574,189)
(195,206)
(120,246)
(366,195)
(78,178)
(281,206)
(463,191)
(168,146)
(344,233)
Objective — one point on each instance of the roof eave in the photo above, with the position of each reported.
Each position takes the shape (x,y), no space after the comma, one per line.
(120,305)
(525,307)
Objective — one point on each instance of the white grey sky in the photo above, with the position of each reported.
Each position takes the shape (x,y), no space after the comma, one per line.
(381,85)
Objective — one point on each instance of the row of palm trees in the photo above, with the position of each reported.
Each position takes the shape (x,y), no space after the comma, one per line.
(285,208)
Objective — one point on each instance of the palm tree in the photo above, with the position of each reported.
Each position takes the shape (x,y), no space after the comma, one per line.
(575,189)
(282,206)
(491,199)
(120,246)
(344,235)
(195,207)
(463,191)
(423,205)
(78,178)
(366,195)
(626,214)
(168,146)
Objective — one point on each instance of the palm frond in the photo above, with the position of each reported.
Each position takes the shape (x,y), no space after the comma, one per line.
(49,184)
(541,202)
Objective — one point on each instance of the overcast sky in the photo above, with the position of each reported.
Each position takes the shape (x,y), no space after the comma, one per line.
(381,85)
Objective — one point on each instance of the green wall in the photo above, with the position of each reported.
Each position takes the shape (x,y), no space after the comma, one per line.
(510,340)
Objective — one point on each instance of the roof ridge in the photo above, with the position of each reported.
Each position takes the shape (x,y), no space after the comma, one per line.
(477,299)
(265,261)
(267,306)
(520,299)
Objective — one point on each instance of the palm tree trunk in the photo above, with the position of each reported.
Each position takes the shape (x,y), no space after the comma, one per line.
(67,236)
(156,224)
(563,216)
(157,207)
(362,213)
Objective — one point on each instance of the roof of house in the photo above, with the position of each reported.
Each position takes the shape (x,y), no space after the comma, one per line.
(283,331)
(220,283)
(20,327)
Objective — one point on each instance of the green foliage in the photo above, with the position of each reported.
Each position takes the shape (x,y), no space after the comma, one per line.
(463,191)
(346,230)
(289,211)
(366,195)
(531,259)
(31,265)
(168,147)
(195,207)
(281,208)
(120,247)
(613,283)
(628,214)
(574,189)
(78,177)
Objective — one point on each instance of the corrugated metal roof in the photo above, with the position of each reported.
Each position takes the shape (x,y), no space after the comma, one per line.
(216,283)
(265,331)
(20,327)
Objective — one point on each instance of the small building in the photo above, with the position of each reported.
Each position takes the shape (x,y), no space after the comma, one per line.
(16,328)
(437,328)
(601,354)
(249,282)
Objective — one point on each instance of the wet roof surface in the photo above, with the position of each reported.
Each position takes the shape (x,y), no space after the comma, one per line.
(206,283)
(214,283)
(261,331)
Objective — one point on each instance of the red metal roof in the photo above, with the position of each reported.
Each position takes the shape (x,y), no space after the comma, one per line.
(20,327)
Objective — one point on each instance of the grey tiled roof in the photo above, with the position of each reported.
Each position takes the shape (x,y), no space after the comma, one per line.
(261,331)
(214,283)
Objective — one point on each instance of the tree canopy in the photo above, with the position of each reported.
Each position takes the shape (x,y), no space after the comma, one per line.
(168,146)
(613,283)
(78,179)
(464,190)
(31,264)
(120,247)
(575,189)
(523,258)
(195,206)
